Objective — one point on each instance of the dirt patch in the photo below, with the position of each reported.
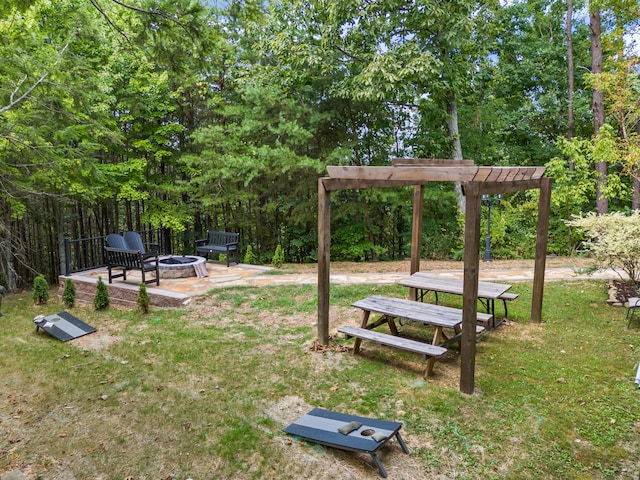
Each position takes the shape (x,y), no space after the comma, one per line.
(95,341)
(287,410)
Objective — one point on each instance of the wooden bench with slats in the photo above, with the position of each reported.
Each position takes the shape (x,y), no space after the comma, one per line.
(124,260)
(424,349)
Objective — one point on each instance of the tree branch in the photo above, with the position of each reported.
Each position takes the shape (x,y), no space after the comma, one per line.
(149,12)
(106,17)
(14,101)
(351,56)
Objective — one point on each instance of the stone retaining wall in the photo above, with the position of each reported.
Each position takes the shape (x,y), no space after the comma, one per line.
(121,293)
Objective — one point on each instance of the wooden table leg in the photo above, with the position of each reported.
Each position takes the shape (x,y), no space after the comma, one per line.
(391,321)
(363,324)
(437,334)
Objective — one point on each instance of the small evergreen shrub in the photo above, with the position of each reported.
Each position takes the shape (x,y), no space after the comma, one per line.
(40,290)
(278,257)
(101,300)
(143,298)
(69,293)
(250,257)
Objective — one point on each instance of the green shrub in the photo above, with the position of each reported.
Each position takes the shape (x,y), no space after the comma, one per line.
(69,293)
(250,257)
(40,290)
(613,240)
(278,257)
(143,298)
(101,300)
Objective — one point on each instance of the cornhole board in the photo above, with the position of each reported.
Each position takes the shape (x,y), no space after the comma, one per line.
(321,426)
(64,326)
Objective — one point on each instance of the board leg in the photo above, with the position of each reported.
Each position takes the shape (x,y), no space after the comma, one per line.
(383,472)
(403,445)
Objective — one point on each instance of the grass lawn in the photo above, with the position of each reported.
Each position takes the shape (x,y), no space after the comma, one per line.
(205,391)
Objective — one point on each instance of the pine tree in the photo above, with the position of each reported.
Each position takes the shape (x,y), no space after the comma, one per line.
(40,290)
(278,257)
(143,298)
(249,256)
(69,293)
(101,300)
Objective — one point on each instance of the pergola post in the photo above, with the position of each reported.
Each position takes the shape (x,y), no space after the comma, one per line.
(324,261)
(416,234)
(470,288)
(544,207)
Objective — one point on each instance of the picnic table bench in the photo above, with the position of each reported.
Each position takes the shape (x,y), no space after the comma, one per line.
(438,316)
(347,432)
(218,242)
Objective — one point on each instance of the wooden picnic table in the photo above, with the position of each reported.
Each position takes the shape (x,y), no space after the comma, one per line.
(488,292)
(438,316)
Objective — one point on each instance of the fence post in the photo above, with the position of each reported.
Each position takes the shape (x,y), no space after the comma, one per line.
(67,255)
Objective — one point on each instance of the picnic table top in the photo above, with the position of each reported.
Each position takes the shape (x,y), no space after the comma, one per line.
(426,313)
(439,283)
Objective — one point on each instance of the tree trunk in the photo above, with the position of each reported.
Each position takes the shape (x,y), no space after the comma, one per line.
(372,238)
(570,68)
(456,147)
(597,105)
(635,201)
(7,250)
(61,228)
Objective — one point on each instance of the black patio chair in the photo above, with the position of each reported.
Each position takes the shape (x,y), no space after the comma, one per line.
(115,240)
(134,242)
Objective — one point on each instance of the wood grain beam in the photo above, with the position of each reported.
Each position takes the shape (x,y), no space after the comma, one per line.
(324,261)
(470,289)
(544,208)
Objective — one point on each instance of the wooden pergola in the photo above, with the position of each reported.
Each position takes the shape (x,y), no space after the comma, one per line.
(476,181)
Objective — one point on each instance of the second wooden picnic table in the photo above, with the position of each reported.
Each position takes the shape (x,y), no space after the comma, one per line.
(488,292)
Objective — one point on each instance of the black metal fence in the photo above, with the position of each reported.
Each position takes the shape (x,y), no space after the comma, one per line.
(88,253)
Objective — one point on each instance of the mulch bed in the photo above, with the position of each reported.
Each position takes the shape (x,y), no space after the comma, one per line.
(620,292)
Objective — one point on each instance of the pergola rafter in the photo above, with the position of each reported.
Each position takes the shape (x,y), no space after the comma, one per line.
(476,181)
